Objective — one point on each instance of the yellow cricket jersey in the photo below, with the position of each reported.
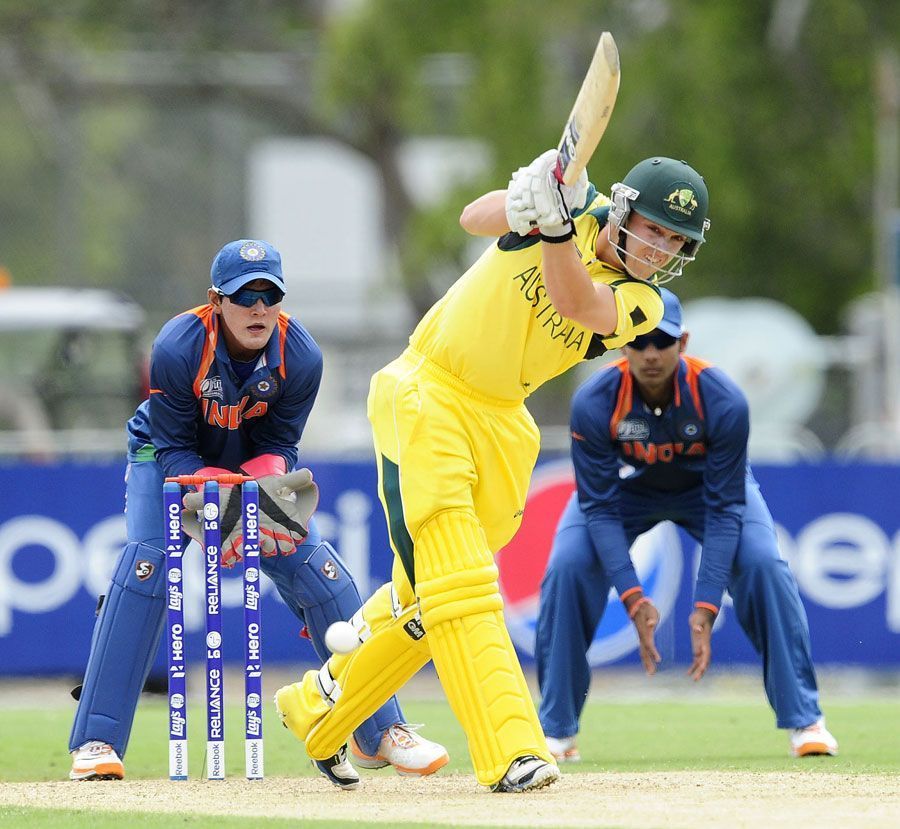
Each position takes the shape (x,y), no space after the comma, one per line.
(498,332)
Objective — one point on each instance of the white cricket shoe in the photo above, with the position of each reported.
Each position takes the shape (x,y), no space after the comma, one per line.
(564,749)
(96,761)
(339,770)
(526,774)
(812,740)
(409,753)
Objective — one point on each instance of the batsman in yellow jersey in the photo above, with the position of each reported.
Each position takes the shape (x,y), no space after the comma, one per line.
(571,275)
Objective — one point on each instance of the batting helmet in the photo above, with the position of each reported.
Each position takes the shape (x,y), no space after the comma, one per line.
(666,191)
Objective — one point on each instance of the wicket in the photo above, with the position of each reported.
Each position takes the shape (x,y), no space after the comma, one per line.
(212,543)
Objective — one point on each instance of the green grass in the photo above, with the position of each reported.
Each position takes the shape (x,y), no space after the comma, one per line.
(74,818)
(642,736)
(633,737)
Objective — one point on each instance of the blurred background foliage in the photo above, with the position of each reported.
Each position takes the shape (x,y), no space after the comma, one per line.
(125,123)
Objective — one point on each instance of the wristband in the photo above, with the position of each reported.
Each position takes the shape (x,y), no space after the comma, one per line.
(555,240)
(262,465)
(707,606)
(632,611)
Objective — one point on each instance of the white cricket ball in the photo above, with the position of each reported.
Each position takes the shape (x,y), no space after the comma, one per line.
(341,638)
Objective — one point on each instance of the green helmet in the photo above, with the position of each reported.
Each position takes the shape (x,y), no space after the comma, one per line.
(666,191)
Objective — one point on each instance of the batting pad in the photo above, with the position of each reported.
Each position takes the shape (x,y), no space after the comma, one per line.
(462,611)
(327,705)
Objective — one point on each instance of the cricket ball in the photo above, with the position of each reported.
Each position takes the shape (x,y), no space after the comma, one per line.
(341,638)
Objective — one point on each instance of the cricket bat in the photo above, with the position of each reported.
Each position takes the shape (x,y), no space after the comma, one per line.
(590,116)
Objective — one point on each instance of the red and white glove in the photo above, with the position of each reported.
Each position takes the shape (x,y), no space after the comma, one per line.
(286,503)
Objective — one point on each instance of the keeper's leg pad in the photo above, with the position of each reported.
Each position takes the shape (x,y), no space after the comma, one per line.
(325,590)
(327,705)
(124,644)
(462,611)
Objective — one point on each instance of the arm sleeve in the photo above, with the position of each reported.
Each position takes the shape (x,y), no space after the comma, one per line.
(639,308)
(174,409)
(724,483)
(596,465)
(279,432)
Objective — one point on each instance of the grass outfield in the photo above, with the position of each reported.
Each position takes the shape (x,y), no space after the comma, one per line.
(642,737)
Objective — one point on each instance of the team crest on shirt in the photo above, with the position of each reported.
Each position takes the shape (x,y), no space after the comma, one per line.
(211,387)
(681,203)
(252,251)
(265,388)
(690,429)
(633,428)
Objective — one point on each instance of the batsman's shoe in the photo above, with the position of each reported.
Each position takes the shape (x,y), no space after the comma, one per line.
(812,740)
(564,749)
(409,753)
(96,761)
(339,770)
(526,774)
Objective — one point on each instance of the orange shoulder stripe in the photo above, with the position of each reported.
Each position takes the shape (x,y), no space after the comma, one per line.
(283,320)
(208,318)
(624,400)
(694,368)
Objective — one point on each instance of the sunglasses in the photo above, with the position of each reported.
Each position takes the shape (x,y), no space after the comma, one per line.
(248,297)
(658,339)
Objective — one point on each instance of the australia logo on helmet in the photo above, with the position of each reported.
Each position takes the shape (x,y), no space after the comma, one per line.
(681,203)
(252,251)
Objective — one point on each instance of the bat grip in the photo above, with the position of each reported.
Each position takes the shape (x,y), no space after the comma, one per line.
(558,170)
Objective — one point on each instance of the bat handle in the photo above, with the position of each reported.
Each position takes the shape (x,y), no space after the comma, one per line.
(558,170)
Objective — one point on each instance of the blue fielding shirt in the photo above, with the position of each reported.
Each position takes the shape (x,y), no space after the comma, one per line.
(201,413)
(696,447)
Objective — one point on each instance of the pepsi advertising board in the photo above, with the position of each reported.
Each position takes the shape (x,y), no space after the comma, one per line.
(62,528)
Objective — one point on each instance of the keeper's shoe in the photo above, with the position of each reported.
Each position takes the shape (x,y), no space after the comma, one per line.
(409,753)
(526,774)
(813,740)
(96,760)
(564,749)
(339,770)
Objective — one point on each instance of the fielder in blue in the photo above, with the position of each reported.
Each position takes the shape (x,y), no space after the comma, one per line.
(232,385)
(659,436)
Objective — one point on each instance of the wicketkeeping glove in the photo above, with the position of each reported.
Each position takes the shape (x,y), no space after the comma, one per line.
(229,521)
(286,502)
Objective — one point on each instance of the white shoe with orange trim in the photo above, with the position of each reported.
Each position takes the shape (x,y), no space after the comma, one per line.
(96,761)
(564,749)
(409,753)
(813,740)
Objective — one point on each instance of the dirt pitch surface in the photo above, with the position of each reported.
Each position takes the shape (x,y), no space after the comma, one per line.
(676,799)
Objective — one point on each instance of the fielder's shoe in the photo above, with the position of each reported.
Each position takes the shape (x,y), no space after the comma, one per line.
(526,774)
(564,749)
(339,770)
(96,761)
(409,753)
(812,740)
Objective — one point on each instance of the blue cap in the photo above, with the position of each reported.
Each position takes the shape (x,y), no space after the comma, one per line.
(671,321)
(244,260)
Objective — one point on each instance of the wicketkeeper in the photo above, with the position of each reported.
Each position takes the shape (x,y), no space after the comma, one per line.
(232,385)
